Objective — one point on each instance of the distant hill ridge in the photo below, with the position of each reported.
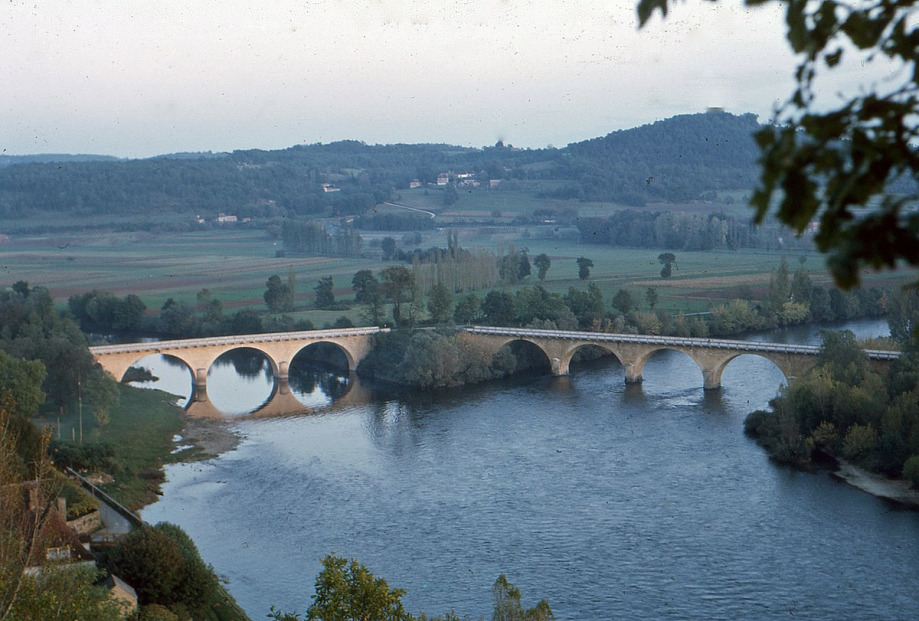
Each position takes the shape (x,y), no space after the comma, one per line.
(46,158)
(680,158)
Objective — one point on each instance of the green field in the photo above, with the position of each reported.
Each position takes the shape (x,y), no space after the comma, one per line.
(235,263)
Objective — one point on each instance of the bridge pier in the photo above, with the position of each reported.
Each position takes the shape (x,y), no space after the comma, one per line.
(711,379)
(632,372)
(559,366)
(199,393)
(282,373)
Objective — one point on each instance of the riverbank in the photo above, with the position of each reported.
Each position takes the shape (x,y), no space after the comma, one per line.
(895,490)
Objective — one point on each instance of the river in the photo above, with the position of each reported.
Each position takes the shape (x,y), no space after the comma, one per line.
(611,501)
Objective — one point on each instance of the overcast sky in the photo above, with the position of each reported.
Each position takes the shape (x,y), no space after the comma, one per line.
(136,79)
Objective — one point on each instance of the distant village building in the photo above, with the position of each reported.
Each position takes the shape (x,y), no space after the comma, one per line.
(414,183)
(226,218)
(443,179)
(493,183)
(328,187)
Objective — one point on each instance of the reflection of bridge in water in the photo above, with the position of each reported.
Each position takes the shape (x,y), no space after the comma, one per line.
(281,402)
(559,347)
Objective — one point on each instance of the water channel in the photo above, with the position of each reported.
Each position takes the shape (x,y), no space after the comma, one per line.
(611,501)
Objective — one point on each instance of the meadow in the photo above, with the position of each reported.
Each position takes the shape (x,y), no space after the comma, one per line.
(235,261)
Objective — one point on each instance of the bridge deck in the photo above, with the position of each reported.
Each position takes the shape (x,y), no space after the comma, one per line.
(270,337)
(675,341)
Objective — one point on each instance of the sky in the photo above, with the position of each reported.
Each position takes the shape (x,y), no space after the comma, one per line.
(137,78)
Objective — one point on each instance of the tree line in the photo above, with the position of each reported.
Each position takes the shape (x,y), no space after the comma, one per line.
(675,230)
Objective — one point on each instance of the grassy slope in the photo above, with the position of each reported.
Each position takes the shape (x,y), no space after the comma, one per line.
(141,429)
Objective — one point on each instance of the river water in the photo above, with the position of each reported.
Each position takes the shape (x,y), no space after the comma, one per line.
(611,501)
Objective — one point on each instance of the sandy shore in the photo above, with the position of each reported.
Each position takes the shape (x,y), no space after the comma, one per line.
(211,437)
(878,485)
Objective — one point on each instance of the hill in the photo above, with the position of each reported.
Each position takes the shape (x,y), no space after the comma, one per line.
(677,159)
(681,158)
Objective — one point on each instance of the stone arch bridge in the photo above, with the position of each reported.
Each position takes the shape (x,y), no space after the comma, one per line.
(633,351)
(199,354)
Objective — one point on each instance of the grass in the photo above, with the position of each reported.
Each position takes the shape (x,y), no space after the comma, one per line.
(140,429)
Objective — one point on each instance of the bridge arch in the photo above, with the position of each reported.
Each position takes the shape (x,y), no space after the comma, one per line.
(246,347)
(635,366)
(788,372)
(530,348)
(576,347)
(323,347)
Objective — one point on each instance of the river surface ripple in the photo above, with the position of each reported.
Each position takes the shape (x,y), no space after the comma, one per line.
(610,501)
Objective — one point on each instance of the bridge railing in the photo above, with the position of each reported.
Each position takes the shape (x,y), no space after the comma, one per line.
(237,340)
(676,341)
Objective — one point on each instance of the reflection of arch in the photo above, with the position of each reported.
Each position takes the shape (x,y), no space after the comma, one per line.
(281,402)
(237,357)
(169,359)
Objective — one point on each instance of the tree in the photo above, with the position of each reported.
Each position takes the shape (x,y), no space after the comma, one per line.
(245,321)
(542,263)
(397,284)
(388,246)
(451,196)
(666,259)
(467,309)
(325,296)
(163,565)
(508,606)
(347,591)
(440,304)
(278,296)
(523,265)
(20,384)
(367,291)
(820,161)
(177,318)
(364,285)
(203,298)
(651,297)
(498,308)
(584,265)
(624,302)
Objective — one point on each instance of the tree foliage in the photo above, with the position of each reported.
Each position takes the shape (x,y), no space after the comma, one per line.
(32,329)
(542,263)
(278,296)
(584,265)
(325,293)
(837,164)
(163,565)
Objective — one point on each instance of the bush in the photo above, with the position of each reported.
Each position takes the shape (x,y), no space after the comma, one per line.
(859,442)
(163,565)
(911,470)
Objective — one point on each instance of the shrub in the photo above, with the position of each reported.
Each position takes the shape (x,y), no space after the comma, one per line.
(911,470)
(859,442)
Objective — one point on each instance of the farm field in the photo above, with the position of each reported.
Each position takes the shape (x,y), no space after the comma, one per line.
(234,264)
